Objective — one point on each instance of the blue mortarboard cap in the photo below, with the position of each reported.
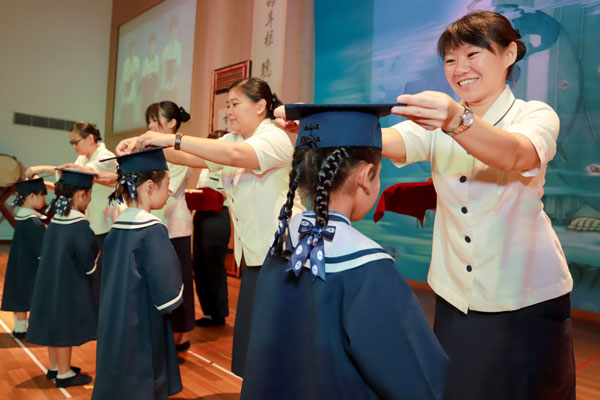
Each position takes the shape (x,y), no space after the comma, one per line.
(334,125)
(77,178)
(30,186)
(152,159)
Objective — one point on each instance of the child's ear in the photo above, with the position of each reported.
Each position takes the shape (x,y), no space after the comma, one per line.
(86,194)
(149,186)
(363,176)
(78,195)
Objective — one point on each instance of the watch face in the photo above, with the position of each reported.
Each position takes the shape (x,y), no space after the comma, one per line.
(468,118)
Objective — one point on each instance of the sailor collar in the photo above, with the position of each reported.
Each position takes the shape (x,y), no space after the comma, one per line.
(135,218)
(71,218)
(349,248)
(26,213)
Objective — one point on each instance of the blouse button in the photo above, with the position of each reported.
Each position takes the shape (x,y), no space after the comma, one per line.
(467,239)
(464,210)
(469,268)
(463,179)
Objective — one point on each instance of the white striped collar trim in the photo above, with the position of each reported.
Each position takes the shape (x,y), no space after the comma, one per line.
(171,302)
(71,218)
(26,213)
(349,248)
(135,218)
(333,216)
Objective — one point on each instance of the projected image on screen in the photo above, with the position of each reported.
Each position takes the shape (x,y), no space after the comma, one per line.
(154,61)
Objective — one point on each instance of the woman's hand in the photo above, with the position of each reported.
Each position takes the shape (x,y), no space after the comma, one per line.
(69,166)
(106,178)
(126,146)
(431,110)
(151,138)
(31,172)
(39,169)
(290,127)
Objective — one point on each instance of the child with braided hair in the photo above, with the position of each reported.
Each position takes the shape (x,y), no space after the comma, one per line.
(333,318)
(63,314)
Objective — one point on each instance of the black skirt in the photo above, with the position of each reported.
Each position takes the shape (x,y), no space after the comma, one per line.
(524,354)
(183,317)
(243,318)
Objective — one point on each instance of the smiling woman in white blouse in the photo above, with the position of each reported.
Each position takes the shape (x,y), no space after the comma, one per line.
(497,268)
(255,162)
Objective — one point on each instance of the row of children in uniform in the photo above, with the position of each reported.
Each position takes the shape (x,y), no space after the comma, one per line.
(327,308)
(141,281)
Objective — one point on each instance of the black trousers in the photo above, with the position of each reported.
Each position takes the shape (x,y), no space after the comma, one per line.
(525,354)
(243,318)
(211,235)
(183,316)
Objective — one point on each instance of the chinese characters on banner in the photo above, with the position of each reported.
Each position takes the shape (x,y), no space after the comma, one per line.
(268,41)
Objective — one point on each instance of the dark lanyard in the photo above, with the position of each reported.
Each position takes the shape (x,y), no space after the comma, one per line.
(504,115)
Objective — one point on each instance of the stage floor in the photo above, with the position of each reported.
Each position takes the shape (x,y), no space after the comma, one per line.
(205,367)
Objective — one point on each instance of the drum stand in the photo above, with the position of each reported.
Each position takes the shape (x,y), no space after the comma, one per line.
(7,212)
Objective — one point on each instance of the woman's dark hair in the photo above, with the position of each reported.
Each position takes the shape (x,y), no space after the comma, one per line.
(482,29)
(256,89)
(66,192)
(84,129)
(121,190)
(169,110)
(318,172)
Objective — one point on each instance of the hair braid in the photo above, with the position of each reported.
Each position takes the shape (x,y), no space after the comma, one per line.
(296,173)
(326,176)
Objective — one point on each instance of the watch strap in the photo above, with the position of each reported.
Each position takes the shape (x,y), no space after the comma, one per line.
(178,137)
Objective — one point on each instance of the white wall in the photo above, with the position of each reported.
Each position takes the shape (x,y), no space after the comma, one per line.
(54,64)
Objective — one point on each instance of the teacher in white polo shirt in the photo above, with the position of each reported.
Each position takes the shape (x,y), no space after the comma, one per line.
(86,141)
(497,268)
(255,160)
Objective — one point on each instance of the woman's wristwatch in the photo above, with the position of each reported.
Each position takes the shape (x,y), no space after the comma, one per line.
(466,120)
(178,137)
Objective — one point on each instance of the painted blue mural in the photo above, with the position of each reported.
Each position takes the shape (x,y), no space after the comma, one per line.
(374,50)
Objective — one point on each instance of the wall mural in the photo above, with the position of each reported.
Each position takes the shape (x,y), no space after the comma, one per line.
(388,48)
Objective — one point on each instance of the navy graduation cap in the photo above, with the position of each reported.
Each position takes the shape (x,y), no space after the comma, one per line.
(77,178)
(335,125)
(30,186)
(151,159)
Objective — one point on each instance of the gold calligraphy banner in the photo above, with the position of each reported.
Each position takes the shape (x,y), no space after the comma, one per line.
(268,41)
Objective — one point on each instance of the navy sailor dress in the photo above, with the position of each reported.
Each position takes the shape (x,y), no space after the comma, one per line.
(358,334)
(141,284)
(23,260)
(62,310)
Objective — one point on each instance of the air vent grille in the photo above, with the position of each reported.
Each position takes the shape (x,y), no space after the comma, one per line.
(42,122)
